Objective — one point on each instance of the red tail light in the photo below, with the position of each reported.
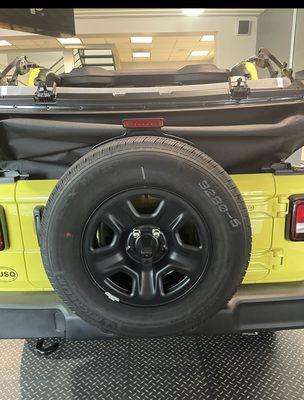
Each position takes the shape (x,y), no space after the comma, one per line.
(3,232)
(138,123)
(2,244)
(297,221)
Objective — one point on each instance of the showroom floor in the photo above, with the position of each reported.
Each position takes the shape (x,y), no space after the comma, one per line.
(268,366)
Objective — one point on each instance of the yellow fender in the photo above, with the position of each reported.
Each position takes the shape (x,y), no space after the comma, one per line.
(251,68)
(33,75)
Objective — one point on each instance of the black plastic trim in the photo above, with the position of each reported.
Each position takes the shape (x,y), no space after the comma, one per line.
(11,176)
(3,228)
(37,212)
(69,105)
(253,308)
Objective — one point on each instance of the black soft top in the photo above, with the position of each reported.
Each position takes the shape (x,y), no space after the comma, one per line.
(101,77)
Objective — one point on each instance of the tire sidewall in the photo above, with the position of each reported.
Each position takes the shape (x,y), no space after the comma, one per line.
(104,178)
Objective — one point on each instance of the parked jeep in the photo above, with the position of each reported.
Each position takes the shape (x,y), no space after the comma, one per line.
(151,203)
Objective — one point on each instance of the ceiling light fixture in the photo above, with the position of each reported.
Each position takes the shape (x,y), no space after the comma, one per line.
(207,38)
(141,54)
(71,40)
(199,53)
(193,12)
(141,39)
(5,43)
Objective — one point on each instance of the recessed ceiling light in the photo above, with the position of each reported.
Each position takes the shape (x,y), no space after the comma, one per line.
(71,40)
(207,38)
(141,54)
(193,12)
(5,43)
(141,39)
(199,53)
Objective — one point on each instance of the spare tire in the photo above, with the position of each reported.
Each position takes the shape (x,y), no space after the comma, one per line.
(145,236)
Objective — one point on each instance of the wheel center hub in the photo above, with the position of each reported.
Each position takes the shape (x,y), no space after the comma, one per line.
(146,243)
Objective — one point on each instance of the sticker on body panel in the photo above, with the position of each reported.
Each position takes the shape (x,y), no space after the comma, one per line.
(7,274)
(218,202)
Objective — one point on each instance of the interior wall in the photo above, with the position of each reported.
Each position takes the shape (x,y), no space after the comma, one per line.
(298,61)
(274,31)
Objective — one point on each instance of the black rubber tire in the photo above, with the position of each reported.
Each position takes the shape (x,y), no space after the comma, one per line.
(171,165)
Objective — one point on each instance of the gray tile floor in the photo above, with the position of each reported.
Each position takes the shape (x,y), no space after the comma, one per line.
(268,366)
(10,365)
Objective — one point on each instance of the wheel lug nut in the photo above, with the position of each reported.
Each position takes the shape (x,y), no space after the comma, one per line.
(136,233)
(156,233)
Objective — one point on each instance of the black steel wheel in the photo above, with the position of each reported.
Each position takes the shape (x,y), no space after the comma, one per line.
(146,247)
(145,236)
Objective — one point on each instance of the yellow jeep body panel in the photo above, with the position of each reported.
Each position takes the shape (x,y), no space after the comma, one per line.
(274,258)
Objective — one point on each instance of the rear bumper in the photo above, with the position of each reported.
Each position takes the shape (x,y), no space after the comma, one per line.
(253,307)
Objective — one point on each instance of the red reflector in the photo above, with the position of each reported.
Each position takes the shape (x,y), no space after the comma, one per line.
(2,244)
(297,221)
(143,123)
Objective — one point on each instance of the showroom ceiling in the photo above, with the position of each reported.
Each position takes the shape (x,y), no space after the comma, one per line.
(167,48)
(162,48)
(176,39)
